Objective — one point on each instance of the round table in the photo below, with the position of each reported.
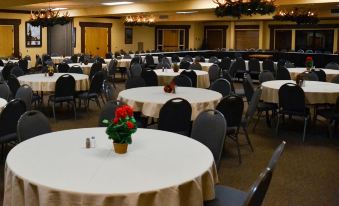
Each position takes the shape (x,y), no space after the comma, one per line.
(315,92)
(125,63)
(330,73)
(42,83)
(3,103)
(58,59)
(86,68)
(160,168)
(166,76)
(149,100)
(16,61)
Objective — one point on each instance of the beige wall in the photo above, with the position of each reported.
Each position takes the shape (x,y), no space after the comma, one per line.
(32,51)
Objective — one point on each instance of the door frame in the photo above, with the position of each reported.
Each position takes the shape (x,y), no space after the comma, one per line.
(178,27)
(15,23)
(83,25)
(217,27)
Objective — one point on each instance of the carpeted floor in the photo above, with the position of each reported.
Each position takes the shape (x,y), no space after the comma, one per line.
(306,175)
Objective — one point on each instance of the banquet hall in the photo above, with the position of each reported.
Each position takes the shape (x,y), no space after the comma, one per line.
(169,102)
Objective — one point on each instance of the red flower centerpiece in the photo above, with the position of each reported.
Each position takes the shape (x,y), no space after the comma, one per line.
(121,128)
(170,88)
(309,63)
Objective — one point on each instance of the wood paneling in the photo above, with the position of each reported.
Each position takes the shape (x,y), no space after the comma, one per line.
(96,41)
(246,39)
(164,27)
(6,40)
(15,23)
(171,40)
(215,37)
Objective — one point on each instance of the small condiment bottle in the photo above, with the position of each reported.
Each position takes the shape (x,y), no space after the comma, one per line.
(93,141)
(88,143)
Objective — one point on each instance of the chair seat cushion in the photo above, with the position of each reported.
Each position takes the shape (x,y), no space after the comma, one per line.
(296,113)
(8,138)
(86,95)
(328,114)
(226,196)
(263,106)
(61,99)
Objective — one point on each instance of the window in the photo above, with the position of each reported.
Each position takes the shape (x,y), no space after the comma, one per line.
(315,40)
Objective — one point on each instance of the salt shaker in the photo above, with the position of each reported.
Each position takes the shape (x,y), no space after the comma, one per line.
(88,143)
(93,141)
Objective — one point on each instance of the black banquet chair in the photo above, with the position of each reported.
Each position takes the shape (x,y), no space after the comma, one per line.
(63,68)
(182,81)
(75,69)
(135,82)
(192,75)
(32,123)
(150,77)
(5,91)
(25,93)
(108,112)
(8,120)
(283,74)
(222,86)
(94,91)
(296,107)
(209,128)
(175,116)
(64,92)
(332,116)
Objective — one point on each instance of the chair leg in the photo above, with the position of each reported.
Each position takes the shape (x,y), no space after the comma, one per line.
(277,127)
(256,122)
(238,145)
(248,138)
(75,111)
(305,126)
(268,121)
(98,102)
(53,109)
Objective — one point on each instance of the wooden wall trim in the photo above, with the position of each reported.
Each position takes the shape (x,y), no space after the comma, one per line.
(254,27)
(15,23)
(185,27)
(306,26)
(83,25)
(220,27)
(14,11)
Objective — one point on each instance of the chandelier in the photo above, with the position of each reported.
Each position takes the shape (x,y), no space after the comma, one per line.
(298,15)
(140,20)
(48,17)
(237,8)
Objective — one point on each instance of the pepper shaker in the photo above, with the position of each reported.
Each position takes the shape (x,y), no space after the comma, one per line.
(88,143)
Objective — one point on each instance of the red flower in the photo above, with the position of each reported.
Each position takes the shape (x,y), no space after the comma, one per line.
(129,110)
(309,58)
(130,125)
(120,113)
(115,120)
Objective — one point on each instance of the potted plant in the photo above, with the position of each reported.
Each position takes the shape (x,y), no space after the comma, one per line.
(121,128)
(309,63)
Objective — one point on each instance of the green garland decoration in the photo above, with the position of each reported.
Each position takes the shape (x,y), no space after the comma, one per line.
(297,15)
(239,8)
(44,22)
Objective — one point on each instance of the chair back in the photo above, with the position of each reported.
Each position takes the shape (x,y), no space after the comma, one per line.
(165,60)
(268,65)
(188,58)
(149,60)
(135,82)
(97,82)
(195,66)
(1,63)
(253,104)
(150,77)
(283,74)
(31,124)
(76,69)
(192,75)
(6,71)
(65,86)
(258,190)
(214,72)
(213,59)
(25,93)
(320,74)
(248,88)
(332,65)
(23,64)
(136,70)
(309,76)
(13,84)
(17,71)
(184,64)
(292,98)
(265,76)
(74,58)
(182,81)
(97,66)
(232,108)
(209,128)
(276,155)
(222,86)
(228,77)
(225,63)
(163,65)
(10,115)
(63,68)
(175,116)
(5,91)
(175,58)
(112,67)
(136,59)
(108,90)
(108,112)
(254,65)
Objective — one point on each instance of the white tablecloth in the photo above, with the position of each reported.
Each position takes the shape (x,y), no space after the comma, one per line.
(315,92)
(166,76)
(3,103)
(330,73)
(121,62)
(16,61)
(149,100)
(160,168)
(58,60)
(86,68)
(40,82)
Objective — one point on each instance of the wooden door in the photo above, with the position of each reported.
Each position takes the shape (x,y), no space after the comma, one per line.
(6,41)
(171,40)
(246,39)
(96,41)
(214,38)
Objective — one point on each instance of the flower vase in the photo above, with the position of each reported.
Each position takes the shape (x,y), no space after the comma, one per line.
(50,73)
(120,148)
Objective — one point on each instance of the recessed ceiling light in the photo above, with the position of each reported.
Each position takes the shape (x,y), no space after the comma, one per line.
(117,3)
(58,9)
(186,12)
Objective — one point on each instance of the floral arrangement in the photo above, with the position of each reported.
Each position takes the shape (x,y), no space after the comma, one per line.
(50,71)
(121,128)
(170,88)
(309,62)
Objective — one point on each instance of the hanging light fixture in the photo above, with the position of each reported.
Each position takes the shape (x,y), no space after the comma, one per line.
(237,8)
(140,20)
(298,15)
(48,17)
